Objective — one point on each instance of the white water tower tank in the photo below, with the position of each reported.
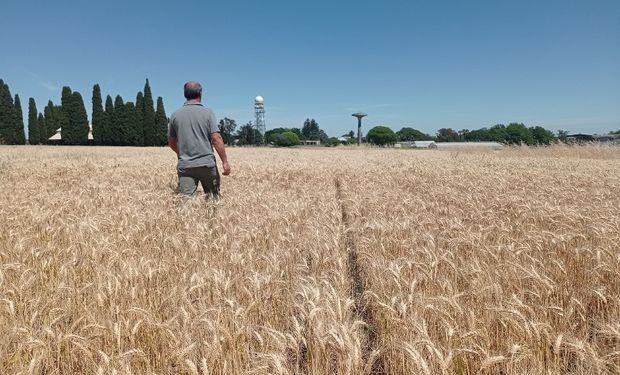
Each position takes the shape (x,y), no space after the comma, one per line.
(259,100)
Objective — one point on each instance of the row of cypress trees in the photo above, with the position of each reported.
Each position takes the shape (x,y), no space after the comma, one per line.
(129,124)
(118,124)
(11,117)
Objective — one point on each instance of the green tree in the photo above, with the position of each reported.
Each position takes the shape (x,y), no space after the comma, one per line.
(64,115)
(249,135)
(517,133)
(542,136)
(51,121)
(77,129)
(148,117)
(310,130)
(227,128)
(381,136)
(41,125)
(11,117)
(271,133)
(132,135)
(331,142)
(323,136)
(98,117)
(285,139)
(410,134)
(140,115)
(463,134)
(478,135)
(34,137)
(118,118)
(161,124)
(498,133)
(107,134)
(6,105)
(297,132)
(447,135)
(18,124)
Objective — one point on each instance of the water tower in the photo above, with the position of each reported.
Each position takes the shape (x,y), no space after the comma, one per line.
(259,114)
(359,116)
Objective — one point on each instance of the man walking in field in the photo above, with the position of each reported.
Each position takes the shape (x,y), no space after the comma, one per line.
(193,134)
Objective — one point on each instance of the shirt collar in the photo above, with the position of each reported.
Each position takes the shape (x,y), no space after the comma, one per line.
(192,102)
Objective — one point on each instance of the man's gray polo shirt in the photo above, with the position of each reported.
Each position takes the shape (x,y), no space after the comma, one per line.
(192,126)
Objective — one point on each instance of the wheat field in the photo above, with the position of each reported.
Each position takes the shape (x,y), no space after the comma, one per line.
(315,261)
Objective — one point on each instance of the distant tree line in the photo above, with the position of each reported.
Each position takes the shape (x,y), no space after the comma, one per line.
(282,137)
(116,124)
(514,133)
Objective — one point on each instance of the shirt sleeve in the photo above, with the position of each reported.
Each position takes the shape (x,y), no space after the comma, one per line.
(213,128)
(172,132)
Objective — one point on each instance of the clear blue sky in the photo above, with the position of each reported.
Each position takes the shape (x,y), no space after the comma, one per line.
(425,64)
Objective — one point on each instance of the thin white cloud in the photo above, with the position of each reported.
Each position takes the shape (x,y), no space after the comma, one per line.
(50,86)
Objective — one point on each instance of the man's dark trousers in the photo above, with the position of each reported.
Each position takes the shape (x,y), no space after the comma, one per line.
(209,177)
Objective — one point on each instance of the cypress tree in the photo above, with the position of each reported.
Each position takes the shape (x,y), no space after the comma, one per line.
(34,137)
(78,120)
(117,119)
(108,128)
(149,116)
(6,114)
(132,134)
(41,126)
(18,124)
(51,121)
(65,97)
(140,116)
(58,117)
(98,117)
(64,115)
(161,124)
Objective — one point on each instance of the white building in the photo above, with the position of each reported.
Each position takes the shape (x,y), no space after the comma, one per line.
(469,145)
(57,137)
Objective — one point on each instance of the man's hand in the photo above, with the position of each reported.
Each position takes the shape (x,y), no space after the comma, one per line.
(226,167)
(218,145)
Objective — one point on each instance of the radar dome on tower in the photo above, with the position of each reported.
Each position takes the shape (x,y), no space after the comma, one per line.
(259,100)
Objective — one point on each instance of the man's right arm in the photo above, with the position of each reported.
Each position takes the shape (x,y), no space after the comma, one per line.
(172,142)
(172,136)
(218,145)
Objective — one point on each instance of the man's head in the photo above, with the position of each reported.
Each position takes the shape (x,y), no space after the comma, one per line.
(192,90)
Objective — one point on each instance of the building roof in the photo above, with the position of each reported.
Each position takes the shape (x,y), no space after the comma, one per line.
(424,144)
(58,135)
(493,145)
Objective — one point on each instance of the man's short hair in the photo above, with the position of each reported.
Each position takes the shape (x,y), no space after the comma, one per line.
(192,90)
